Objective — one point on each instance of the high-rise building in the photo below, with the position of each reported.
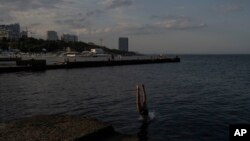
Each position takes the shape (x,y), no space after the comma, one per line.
(69,38)
(123,43)
(11,31)
(52,36)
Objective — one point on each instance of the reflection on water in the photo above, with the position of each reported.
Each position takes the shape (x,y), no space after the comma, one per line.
(143,131)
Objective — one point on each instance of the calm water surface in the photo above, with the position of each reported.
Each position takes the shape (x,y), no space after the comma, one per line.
(194,100)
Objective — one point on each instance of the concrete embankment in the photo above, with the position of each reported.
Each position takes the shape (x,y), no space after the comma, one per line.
(60,128)
(33,65)
(10,59)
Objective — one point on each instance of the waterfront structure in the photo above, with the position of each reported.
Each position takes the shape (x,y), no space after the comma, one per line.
(34,65)
(69,38)
(123,44)
(52,36)
(11,32)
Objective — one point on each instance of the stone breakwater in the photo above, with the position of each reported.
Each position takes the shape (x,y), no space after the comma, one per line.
(60,128)
(40,65)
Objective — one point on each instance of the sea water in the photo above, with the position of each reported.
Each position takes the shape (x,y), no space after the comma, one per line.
(194,100)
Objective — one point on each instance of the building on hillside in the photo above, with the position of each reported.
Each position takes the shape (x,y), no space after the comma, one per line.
(52,36)
(69,38)
(123,44)
(11,32)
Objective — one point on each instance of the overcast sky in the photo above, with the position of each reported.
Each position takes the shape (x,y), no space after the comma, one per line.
(152,26)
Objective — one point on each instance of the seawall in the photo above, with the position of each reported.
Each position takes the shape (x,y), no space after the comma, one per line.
(40,65)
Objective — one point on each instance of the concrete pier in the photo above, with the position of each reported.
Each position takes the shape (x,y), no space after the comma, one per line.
(10,59)
(60,128)
(40,65)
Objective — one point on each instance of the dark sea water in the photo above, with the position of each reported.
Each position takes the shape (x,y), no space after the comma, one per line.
(194,100)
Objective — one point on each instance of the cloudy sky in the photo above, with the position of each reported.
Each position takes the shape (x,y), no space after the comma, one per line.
(152,26)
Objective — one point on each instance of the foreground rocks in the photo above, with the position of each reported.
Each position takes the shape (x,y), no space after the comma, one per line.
(59,128)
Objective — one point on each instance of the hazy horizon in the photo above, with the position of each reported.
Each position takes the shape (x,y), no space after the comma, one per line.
(161,26)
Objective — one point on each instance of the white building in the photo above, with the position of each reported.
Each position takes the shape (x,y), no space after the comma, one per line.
(69,38)
(97,51)
(123,43)
(52,36)
(11,31)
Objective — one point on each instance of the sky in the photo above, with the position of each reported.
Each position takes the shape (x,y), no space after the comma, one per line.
(152,26)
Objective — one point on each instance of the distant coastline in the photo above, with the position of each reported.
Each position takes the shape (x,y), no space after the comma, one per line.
(32,45)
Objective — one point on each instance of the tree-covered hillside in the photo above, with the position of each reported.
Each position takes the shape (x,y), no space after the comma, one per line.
(38,45)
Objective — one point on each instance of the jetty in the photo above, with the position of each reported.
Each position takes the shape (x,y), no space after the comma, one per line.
(10,59)
(41,65)
(60,128)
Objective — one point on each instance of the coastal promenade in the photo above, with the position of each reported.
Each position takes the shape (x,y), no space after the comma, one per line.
(41,65)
